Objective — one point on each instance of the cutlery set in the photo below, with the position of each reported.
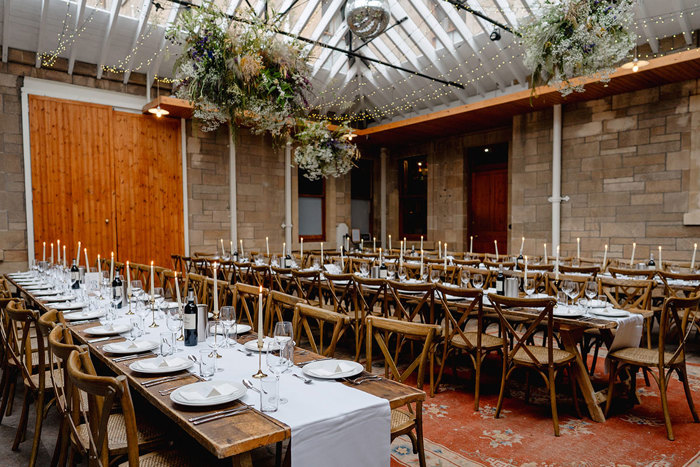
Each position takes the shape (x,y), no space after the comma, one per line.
(132,357)
(217,415)
(363,379)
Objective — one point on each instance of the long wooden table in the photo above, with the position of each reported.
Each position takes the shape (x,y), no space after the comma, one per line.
(232,437)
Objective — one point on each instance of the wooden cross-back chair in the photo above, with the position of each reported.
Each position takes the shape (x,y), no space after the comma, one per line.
(631,295)
(587,270)
(340,288)
(308,286)
(383,330)
(545,360)
(198,284)
(223,292)
(553,285)
(487,275)
(466,262)
(495,264)
(628,273)
(356,263)
(26,351)
(102,429)
(540,267)
(280,306)
(539,278)
(178,264)
(199,265)
(226,271)
(242,272)
(169,287)
(449,274)
(282,279)
(307,316)
(245,300)
(260,274)
(456,338)
(680,285)
(678,313)
(411,301)
(369,299)
(8,383)
(678,267)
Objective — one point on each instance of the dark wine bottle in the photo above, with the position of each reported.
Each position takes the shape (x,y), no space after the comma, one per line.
(500,281)
(651,264)
(74,276)
(190,320)
(117,290)
(383,270)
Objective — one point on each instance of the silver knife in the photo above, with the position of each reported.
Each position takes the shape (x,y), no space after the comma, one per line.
(218,415)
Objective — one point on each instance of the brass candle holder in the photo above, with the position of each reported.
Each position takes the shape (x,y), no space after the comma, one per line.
(260,373)
(130,295)
(152,302)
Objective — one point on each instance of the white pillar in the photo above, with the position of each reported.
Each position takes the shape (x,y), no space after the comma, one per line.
(185,194)
(382,209)
(288,194)
(556,198)
(233,202)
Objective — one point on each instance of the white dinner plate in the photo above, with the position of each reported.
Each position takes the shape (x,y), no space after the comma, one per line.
(269,344)
(56,298)
(36,288)
(128,347)
(21,274)
(567,312)
(29,282)
(332,369)
(108,330)
(610,312)
(80,315)
(205,393)
(69,306)
(44,294)
(155,365)
(239,329)
(595,303)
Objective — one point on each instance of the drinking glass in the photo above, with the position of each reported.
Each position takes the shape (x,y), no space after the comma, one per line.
(567,287)
(214,339)
(173,321)
(136,288)
(574,292)
(464,278)
(167,344)
(278,357)
(391,270)
(269,394)
(435,276)
(529,286)
(402,273)
(228,319)
(424,274)
(477,281)
(591,292)
(207,364)
(364,269)
(136,328)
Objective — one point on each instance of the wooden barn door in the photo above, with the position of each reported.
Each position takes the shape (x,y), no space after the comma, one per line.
(111,180)
(72,175)
(488,198)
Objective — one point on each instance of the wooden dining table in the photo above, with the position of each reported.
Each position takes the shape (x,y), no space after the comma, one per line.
(227,438)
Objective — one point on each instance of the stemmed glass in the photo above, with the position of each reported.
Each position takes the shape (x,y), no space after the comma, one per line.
(391,271)
(477,281)
(571,291)
(228,319)
(364,269)
(591,292)
(567,286)
(435,276)
(464,278)
(174,321)
(529,286)
(402,273)
(280,355)
(214,330)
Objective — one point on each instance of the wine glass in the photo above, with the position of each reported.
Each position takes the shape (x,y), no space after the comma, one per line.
(215,329)
(435,275)
(364,269)
(391,271)
(136,288)
(464,278)
(572,292)
(402,273)
(423,275)
(567,287)
(591,292)
(281,354)
(174,321)
(477,281)
(529,286)
(228,319)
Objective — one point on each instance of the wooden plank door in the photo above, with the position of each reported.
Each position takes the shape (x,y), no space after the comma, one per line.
(72,175)
(488,199)
(148,188)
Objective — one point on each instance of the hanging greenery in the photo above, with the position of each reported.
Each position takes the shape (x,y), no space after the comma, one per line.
(577,38)
(323,152)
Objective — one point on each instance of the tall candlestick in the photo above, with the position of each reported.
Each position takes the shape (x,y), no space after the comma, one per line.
(342,259)
(111,270)
(421,265)
(241,242)
(216,294)
(401,254)
(128,279)
(525,274)
(223,252)
(177,291)
(321,254)
(51,252)
(545,253)
(605,259)
(152,283)
(64,256)
(260,319)
(578,248)
(58,260)
(522,245)
(661,264)
(444,259)
(230,247)
(284,249)
(692,261)
(43,254)
(362,245)
(77,255)
(267,246)
(634,248)
(374,244)
(389,243)
(439,248)
(556,277)
(421,243)
(301,250)
(87,263)
(495,244)
(471,244)
(99,266)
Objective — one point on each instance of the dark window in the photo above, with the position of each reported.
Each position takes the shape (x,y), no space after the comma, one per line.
(413,197)
(312,209)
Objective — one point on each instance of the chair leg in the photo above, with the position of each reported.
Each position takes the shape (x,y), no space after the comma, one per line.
(688,394)
(37,427)
(553,401)
(477,380)
(611,385)
(574,391)
(499,404)
(596,348)
(419,434)
(664,406)
(58,450)
(22,426)
(11,395)
(7,374)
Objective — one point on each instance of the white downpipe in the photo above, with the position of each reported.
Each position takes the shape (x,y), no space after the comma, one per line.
(233,203)
(382,208)
(185,194)
(288,194)
(26,147)
(556,198)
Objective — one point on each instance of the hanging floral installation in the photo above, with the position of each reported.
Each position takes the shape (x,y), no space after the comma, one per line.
(577,38)
(244,73)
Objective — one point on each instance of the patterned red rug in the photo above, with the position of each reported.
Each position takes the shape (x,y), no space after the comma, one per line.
(456,435)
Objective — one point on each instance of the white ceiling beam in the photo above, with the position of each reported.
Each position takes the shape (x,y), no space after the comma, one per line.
(143,22)
(684,23)
(305,16)
(5,29)
(172,17)
(529,6)
(507,13)
(40,35)
(326,53)
(113,18)
(326,19)
(648,30)
(80,17)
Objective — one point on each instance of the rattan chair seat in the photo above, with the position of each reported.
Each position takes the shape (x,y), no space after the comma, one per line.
(641,356)
(559,356)
(171,458)
(48,382)
(401,420)
(487,341)
(147,433)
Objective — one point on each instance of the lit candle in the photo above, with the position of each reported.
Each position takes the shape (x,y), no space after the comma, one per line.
(362,245)
(471,243)
(578,248)
(111,270)
(661,264)
(522,245)
(401,254)
(223,252)
(321,253)
(605,258)
(58,261)
(634,248)
(77,255)
(128,279)
(421,264)
(444,258)
(177,291)
(51,252)
(260,319)
(99,266)
(230,247)
(692,261)
(405,245)
(495,244)
(301,250)
(525,274)
(374,244)
(545,253)
(342,259)
(241,242)
(216,293)
(87,263)
(439,248)
(389,243)
(267,246)
(64,256)
(284,249)
(421,243)
(152,286)
(43,255)
(556,277)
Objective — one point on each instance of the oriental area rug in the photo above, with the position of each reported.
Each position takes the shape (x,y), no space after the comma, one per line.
(457,435)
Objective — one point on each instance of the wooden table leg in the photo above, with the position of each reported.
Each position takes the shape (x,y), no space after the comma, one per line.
(242,460)
(570,337)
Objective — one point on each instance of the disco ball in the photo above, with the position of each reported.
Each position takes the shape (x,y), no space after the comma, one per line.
(367,18)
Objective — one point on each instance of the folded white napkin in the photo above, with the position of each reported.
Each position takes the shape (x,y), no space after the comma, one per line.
(216,390)
(332,269)
(128,345)
(161,363)
(341,367)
